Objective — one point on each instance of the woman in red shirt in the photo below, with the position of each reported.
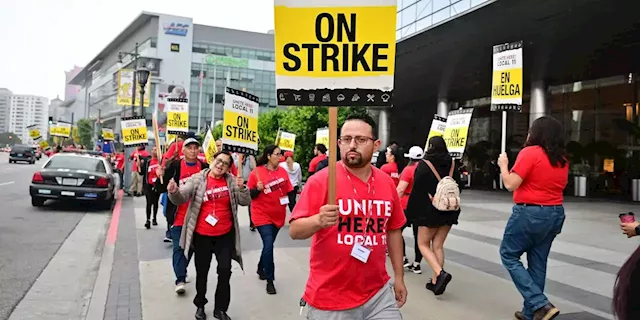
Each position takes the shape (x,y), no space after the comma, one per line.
(212,227)
(538,179)
(404,191)
(269,185)
(395,163)
(151,194)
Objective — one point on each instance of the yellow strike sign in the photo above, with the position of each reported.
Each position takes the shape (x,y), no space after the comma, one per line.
(506,86)
(177,116)
(134,131)
(335,41)
(240,128)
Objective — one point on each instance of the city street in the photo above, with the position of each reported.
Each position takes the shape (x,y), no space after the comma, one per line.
(133,279)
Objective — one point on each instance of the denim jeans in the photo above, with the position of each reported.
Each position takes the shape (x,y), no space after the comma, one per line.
(268,233)
(530,229)
(180,262)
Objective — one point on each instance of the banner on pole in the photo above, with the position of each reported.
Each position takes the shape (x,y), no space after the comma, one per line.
(134,131)
(126,89)
(287,141)
(506,86)
(322,136)
(177,116)
(107,134)
(337,54)
(240,122)
(457,130)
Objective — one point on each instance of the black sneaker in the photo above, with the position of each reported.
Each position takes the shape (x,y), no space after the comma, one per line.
(155,222)
(271,289)
(260,273)
(415,268)
(429,284)
(441,283)
(166,239)
(147,224)
(200,314)
(218,314)
(253,229)
(406,262)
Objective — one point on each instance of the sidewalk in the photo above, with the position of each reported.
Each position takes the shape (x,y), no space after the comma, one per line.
(581,270)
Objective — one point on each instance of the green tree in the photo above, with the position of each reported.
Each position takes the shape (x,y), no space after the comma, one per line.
(85,132)
(9,138)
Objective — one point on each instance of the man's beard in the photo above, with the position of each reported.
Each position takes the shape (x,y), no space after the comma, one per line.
(358,162)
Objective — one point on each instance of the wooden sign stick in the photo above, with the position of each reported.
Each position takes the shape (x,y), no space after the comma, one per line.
(333,150)
(240,159)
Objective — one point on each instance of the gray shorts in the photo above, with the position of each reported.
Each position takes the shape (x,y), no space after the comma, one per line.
(382,306)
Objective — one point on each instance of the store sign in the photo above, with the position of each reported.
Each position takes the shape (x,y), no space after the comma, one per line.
(176,29)
(226,61)
(175,47)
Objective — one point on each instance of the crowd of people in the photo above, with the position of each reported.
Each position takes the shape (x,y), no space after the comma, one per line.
(354,235)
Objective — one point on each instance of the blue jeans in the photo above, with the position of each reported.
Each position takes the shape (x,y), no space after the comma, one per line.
(530,229)
(180,262)
(268,233)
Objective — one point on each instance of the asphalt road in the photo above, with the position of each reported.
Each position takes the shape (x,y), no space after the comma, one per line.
(29,237)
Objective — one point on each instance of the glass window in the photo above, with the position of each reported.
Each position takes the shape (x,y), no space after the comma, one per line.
(439,4)
(441,15)
(459,7)
(424,23)
(477,2)
(398,21)
(398,34)
(425,8)
(409,30)
(199,49)
(408,15)
(228,51)
(76,163)
(235,52)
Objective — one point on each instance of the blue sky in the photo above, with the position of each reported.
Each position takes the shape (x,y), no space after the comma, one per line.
(44,38)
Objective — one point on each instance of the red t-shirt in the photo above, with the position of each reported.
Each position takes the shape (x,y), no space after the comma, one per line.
(266,208)
(186,171)
(173,148)
(338,281)
(407,175)
(392,170)
(314,162)
(541,183)
(151,171)
(119,160)
(217,203)
(142,153)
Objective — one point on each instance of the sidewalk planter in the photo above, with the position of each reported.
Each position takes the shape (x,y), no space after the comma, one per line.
(635,189)
(580,186)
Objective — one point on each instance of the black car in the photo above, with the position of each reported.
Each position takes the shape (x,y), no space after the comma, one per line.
(21,152)
(76,176)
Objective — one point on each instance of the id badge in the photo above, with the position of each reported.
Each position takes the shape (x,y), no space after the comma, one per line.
(284,200)
(212,220)
(360,252)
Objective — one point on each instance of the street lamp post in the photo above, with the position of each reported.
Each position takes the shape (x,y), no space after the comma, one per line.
(143,77)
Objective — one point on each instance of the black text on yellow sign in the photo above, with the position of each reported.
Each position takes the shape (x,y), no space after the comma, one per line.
(456,138)
(505,87)
(241,129)
(286,144)
(177,120)
(337,48)
(135,134)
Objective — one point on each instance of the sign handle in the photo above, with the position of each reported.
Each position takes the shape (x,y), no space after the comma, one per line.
(503,140)
(240,160)
(333,150)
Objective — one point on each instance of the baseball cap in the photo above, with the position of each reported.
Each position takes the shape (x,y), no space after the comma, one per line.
(288,154)
(189,141)
(415,153)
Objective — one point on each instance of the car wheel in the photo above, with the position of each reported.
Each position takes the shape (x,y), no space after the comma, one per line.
(37,202)
(107,204)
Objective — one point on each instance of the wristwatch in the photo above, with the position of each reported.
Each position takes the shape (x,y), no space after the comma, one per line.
(638,230)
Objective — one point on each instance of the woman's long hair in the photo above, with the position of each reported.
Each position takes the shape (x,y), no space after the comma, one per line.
(546,132)
(437,150)
(398,156)
(622,287)
(264,157)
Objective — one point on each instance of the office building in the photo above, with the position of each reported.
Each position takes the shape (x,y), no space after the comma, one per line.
(26,110)
(580,66)
(177,52)
(70,90)
(5,106)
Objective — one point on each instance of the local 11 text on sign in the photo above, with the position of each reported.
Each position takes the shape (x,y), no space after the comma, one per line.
(177,115)
(457,130)
(240,123)
(506,86)
(335,54)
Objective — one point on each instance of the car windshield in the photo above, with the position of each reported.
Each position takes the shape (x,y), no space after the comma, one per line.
(21,148)
(76,163)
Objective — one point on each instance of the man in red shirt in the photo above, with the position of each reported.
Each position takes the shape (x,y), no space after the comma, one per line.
(349,239)
(179,170)
(320,153)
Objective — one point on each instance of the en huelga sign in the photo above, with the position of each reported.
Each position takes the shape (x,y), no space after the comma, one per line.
(335,54)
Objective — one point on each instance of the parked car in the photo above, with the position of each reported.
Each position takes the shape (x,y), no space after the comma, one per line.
(75,175)
(21,152)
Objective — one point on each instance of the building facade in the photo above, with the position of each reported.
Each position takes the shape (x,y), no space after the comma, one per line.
(27,110)
(5,107)
(70,90)
(177,52)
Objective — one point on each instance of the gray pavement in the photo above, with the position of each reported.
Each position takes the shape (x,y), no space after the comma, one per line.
(29,239)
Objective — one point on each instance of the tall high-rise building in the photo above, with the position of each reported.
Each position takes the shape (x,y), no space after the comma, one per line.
(5,106)
(70,90)
(26,110)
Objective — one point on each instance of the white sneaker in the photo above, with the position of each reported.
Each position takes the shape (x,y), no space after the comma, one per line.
(180,289)
(406,262)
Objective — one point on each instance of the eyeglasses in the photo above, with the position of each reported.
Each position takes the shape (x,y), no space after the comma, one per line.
(360,140)
(222,162)
(277,154)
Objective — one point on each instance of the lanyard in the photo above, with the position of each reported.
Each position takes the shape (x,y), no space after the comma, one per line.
(371,192)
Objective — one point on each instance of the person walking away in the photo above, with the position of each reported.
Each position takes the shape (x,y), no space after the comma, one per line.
(538,178)
(320,153)
(211,227)
(248,165)
(395,163)
(424,208)
(179,171)
(152,196)
(135,189)
(404,191)
(380,161)
(269,185)
(347,268)
(295,177)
